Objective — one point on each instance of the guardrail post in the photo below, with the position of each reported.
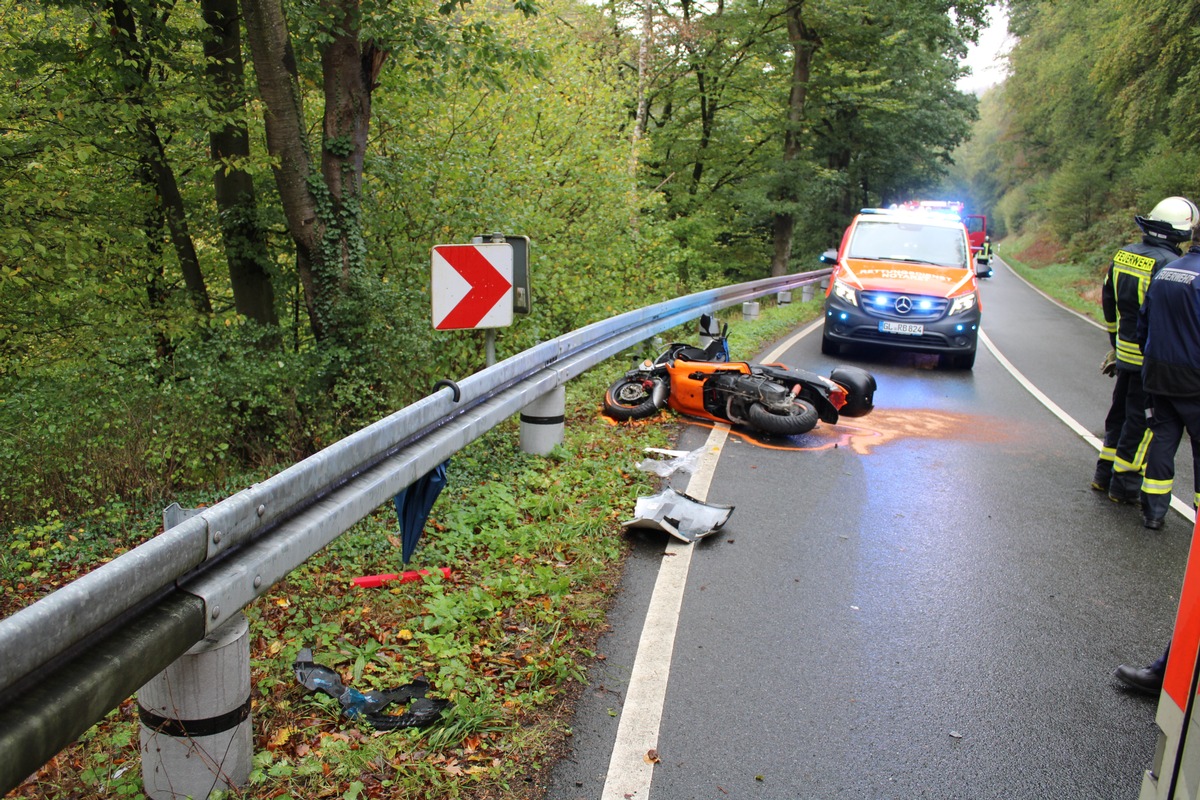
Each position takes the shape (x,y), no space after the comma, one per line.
(542,422)
(750,310)
(195,719)
(806,292)
(784,297)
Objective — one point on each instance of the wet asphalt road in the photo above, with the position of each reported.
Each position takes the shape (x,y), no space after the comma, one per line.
(927,602)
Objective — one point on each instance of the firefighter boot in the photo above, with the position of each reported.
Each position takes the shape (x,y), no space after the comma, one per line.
(1154,510)
(1125,487)
(1103,475)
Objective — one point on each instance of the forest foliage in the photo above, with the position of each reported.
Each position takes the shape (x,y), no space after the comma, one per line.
(1094,124)
(215,245)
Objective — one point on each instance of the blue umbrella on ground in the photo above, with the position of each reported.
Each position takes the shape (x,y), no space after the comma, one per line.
(413,504)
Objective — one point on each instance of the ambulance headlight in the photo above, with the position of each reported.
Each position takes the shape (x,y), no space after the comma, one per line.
(962,303)
(845,291)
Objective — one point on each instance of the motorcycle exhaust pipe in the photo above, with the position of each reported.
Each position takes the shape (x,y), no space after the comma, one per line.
(734,418)
(659,393)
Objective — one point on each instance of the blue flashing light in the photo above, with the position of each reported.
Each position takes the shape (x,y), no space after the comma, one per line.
(925,305)
(958,328)
(844,316)
(881,301)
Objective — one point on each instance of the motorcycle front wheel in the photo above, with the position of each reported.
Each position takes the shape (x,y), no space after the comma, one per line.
(800,417)
(628,398)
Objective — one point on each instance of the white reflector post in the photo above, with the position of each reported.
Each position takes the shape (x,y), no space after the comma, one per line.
(543,422)
(195,716)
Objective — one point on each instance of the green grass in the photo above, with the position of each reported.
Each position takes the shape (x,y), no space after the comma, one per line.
(536,550)
(1074,284)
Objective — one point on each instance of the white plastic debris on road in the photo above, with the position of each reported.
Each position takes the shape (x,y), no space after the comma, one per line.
(679,461)
(684,517)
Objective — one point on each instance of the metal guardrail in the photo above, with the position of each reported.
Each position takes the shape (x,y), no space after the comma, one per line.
(71,657)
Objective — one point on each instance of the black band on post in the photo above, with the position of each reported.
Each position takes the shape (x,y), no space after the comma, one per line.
(559,420)
(188,728)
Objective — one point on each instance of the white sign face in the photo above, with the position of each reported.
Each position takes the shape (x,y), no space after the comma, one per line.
(472,286)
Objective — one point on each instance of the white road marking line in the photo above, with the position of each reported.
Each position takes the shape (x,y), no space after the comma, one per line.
(1183,508)
(629,773)
(783,348)
(1061,305)
(1066,418)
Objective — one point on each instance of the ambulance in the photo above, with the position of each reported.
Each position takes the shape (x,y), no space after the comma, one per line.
(904,279)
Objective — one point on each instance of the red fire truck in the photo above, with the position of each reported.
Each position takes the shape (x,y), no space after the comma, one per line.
(976,225)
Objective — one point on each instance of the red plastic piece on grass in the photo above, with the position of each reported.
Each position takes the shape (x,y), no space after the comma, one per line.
(409,576)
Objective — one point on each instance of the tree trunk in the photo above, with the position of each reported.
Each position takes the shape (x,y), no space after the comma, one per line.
(643,107)
(804,43)
(155,170)
(243,237)
(350,68)
(323,212)
(287,138)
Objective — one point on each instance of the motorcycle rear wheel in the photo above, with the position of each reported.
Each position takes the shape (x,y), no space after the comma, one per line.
(801,417)
(627,398)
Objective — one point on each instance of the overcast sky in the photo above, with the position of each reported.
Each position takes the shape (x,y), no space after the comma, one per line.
(986,58)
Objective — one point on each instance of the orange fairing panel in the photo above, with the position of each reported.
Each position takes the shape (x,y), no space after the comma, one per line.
(896,276)
(687,393)
(1185,642)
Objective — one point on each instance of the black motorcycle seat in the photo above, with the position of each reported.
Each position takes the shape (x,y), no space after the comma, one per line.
(690,353)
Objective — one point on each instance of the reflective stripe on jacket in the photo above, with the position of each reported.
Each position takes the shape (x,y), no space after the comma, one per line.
(1123,292)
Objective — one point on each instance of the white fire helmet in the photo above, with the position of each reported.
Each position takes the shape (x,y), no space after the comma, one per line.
(1173,220)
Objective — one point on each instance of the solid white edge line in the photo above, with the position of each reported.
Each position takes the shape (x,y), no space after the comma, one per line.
(783,348)
(1058,303)
(629,769)
(1039,395)
(1183,508)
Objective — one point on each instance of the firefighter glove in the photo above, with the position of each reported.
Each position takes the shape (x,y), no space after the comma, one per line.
(1109,365)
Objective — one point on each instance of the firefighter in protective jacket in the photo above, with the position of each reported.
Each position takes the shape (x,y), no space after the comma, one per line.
(1126,437)
(1169,328)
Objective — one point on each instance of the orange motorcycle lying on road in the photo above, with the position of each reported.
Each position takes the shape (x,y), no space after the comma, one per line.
(771,398)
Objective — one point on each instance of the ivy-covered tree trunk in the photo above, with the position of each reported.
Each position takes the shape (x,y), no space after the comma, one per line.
(803,42)
(323,210)
(243,236)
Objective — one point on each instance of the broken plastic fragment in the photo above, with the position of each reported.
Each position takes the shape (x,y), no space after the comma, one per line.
(678,514)
(367,705)
(681,461)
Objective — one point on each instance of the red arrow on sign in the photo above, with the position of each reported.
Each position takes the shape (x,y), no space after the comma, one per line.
(486,282)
